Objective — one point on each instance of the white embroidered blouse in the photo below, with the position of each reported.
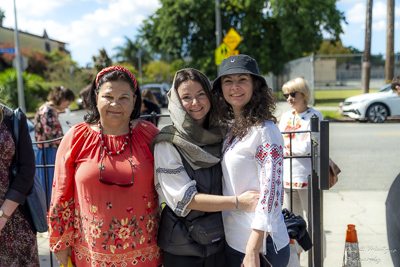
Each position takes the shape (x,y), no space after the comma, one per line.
(301,146)
(173,184)
(255,163)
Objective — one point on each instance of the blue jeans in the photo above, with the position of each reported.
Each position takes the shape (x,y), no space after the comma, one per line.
(279,259)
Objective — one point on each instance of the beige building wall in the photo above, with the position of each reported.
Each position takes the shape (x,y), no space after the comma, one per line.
(31,41)
(325,72)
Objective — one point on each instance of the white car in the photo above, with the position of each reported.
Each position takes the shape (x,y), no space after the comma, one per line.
(375,107)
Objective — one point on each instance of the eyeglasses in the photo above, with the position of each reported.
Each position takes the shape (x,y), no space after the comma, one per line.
(292,94)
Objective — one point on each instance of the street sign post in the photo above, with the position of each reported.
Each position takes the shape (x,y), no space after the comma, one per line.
(9,50)
(228,48)
(232,38)
(221,53)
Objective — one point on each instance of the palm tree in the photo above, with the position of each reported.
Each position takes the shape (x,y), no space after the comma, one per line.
(131,51)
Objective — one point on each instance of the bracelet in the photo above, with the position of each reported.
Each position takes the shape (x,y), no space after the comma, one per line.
(236,203)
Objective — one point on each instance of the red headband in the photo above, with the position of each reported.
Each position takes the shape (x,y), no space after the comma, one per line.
(112,68)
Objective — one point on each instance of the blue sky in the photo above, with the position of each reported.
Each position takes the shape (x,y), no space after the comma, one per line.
(89,25)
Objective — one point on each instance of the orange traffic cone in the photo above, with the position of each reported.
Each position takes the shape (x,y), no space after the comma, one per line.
(351,257)
(294,258)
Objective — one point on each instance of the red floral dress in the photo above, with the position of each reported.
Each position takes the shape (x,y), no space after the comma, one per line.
(106,225)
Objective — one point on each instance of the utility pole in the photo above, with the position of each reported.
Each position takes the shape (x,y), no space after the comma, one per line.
(218,30)
(389,63)
(366,73)
(20,82)
(139,56)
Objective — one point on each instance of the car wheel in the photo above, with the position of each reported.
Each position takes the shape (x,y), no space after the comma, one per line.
(377,113)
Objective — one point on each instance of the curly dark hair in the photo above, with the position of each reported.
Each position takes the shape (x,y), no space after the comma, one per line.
(395,82)
(93,115)
(259,109)
(190,74)
(58,94)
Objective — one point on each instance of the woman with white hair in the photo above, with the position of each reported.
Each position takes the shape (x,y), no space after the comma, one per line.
(298,94)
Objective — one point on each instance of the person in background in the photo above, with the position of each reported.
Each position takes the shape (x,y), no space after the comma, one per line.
(18,245)
(298,94)
(84,94)
(103,209)
(188,175)
(252,159)
(395,85)
(48,127)
(392,205)
(149,105)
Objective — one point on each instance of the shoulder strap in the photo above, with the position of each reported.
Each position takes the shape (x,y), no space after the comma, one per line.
(16,137)
(16,125)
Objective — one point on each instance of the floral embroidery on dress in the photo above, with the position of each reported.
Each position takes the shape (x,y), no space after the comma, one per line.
(62,214)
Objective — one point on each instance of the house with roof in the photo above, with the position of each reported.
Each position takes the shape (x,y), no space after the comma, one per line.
(31,41)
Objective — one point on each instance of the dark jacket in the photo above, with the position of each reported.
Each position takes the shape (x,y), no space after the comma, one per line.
(150,107)
(20,185)
(173,236)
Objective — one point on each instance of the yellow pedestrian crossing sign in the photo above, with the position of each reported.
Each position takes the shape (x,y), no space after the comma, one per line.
(221,53)
(232,38)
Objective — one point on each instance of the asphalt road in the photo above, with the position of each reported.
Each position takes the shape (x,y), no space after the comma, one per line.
(367,153)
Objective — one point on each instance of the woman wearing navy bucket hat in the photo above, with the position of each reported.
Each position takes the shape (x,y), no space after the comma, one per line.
(252,160)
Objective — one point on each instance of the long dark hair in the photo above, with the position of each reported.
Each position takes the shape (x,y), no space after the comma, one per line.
(259,109)
(93,115)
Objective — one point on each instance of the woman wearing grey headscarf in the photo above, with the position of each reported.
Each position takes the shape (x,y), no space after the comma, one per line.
(188,177)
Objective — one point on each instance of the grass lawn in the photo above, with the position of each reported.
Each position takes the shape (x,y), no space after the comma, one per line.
(331,98)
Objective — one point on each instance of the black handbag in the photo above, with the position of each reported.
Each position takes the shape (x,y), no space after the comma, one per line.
(207,229)
(36,198)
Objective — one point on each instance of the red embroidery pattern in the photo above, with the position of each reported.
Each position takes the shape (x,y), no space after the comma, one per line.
(271,156)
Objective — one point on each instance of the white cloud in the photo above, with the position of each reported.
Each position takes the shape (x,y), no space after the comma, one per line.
(340,2)
(356,14)
(379,26)
(100,22)
(379,11)
(117,40)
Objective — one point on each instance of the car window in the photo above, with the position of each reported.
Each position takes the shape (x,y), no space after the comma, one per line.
(385,88)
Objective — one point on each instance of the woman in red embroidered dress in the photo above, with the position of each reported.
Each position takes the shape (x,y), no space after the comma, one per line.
(103,208)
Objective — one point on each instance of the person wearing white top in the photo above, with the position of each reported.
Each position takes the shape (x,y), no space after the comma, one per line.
(298,94)
(188,176)
(252,160)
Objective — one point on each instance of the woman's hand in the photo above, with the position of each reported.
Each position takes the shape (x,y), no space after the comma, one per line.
(62,256)
(248,200)
(251,258)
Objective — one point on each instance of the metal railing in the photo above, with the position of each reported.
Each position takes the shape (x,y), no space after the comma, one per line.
(317,182)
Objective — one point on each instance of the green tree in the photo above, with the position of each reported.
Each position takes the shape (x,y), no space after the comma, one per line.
(131,51)
(102,60)
(331,48)
(35,90)
(2,16)
(273,31)
(157,72)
